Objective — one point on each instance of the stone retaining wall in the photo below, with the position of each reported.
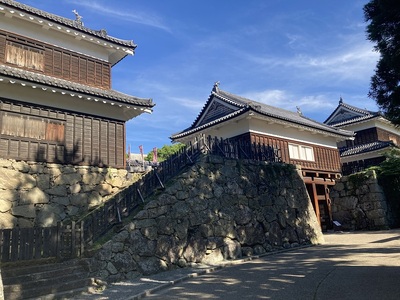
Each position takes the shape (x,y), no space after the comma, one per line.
(359,203)
(219,209)
(40,194)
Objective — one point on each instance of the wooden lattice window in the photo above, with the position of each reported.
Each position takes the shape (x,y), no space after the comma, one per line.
(32,127)
(24,56)
(301,152)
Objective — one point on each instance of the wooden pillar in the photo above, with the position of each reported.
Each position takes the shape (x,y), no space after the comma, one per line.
(316,204)
(328,204)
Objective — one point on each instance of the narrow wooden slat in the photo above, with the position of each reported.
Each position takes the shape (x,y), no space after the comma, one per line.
(15,244)
(26,243)
(6,245)
(38,243)
(1,244)
(73,239)
(47,243)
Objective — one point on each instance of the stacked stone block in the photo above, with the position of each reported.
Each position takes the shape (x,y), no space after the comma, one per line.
(359,203)
(40,194)
(219,209)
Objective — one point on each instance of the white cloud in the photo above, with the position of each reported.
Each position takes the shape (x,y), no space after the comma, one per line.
(276,98)
(351,63)
(188,103)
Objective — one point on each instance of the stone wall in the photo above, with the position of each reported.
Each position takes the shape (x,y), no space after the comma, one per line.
(359,203)
(219,209)
(40,194)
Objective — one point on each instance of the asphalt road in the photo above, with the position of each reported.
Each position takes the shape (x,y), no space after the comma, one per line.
(364,265)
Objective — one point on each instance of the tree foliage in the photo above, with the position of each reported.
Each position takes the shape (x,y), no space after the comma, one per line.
(391,166)
(389,179)
(165,152)
(383,29)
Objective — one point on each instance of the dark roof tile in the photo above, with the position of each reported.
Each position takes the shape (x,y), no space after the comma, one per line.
(15,73)
(68,22)
(244,104)
(359,149)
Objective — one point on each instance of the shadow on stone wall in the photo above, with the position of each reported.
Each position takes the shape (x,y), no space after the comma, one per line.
(359,203)
(219,209)
(41,194)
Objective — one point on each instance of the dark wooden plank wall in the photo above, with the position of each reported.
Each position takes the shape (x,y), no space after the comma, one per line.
(365,136)
(88,140)
(373,134)
(384,135)
(63,63)
(326,159)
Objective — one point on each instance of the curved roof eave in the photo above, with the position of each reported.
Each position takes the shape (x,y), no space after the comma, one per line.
(321,129)
(191,130)
(360,119)
(365,148)
(46,81)
(300,119)
(72,24)
(364,113)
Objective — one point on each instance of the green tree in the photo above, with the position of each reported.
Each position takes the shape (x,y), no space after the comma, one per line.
(391,166)
(383,29)
(165,152)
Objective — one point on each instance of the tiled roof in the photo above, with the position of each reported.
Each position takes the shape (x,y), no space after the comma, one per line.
(68,22)
(283,114)
(359,149)
(48,81)
(362,115)
(191,130)
(355,120)
(243,105)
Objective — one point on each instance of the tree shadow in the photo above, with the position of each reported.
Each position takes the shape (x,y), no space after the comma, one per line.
(330,271)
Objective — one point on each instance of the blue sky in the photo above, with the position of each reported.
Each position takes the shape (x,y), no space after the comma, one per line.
(285,53)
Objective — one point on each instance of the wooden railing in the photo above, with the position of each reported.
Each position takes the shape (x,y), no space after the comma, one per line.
(66,241)
(240,149)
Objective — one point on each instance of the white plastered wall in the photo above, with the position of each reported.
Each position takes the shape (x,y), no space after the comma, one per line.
(67,102)
(53,36)
(243,125)
(372,123)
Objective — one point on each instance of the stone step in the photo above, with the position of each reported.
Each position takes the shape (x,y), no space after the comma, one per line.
(45,281)
(39,275)
(28,282)
(51,291)
(15,270)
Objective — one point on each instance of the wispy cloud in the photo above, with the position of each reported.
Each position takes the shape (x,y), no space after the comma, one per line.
(287,100)
(270,97)
(188,103)
(139,17)
(347,63)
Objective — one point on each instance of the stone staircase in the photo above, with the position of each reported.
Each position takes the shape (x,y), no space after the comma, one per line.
(62,280)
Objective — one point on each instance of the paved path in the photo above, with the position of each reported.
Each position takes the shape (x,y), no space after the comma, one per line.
(364,265)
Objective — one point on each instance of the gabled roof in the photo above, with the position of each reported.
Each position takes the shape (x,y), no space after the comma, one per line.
(222,106)
(35,79)
(345,114)
(68,26)
(365,148)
